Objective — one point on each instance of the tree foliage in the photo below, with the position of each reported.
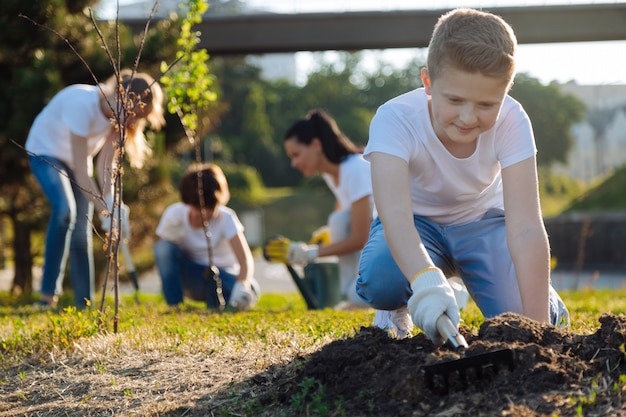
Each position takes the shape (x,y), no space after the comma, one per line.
(352,96)
(189,83)
(552,114)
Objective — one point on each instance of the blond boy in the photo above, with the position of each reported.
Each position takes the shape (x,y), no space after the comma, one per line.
(448,161)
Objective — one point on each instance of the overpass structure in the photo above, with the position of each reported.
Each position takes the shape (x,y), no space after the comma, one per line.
(267,33)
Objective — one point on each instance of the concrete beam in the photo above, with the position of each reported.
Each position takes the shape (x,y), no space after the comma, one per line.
(351,31)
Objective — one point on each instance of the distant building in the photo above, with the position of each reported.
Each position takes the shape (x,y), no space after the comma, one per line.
(273,66)
(600,139)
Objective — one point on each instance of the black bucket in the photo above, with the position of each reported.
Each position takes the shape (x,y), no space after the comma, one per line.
(323,280)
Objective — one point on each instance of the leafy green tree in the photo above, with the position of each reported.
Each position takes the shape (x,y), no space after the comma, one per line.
(258,133)
(189,83)
(387,82)
(352,97)
(552,114)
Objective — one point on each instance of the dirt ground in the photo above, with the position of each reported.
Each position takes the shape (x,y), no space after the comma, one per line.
(555,373)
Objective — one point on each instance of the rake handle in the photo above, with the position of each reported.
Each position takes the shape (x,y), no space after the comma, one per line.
(450,333)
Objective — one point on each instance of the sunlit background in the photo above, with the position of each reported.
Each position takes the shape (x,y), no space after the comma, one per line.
(586,63)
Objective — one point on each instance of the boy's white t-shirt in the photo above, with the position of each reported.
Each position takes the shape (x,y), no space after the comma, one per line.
(446,189)
(75,109)
(355,181)
(223,227)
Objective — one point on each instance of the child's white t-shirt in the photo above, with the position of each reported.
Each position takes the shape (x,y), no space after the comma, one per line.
(446,189)
(74,109)
(355,181)
(223,227)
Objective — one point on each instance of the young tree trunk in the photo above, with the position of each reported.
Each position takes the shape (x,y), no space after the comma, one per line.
(23,279)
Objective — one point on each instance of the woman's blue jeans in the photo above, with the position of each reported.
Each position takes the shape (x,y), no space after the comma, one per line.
(180,276)
(69,233)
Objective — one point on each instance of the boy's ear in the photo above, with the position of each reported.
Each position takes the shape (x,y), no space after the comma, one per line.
(426,80)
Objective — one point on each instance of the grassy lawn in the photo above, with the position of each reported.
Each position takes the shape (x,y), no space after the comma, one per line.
(134,371)
(194,362)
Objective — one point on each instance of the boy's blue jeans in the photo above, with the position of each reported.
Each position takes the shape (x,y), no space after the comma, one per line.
(69,232)
(181,276)
(477,251)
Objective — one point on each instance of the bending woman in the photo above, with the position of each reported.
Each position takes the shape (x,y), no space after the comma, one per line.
(315,145)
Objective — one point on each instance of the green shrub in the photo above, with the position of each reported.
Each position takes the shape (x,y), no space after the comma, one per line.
(245,183)
(606,196)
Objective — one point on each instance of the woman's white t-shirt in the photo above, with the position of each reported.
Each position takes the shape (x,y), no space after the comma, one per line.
(355,181)
(75,109)
(446,189)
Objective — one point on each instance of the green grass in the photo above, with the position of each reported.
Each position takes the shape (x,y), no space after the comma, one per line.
(27,334)
(50,348)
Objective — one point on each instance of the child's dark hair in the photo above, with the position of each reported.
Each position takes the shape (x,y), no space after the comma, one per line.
(319,124)
(214,186)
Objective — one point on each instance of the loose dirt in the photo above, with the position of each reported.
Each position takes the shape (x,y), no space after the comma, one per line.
(555,373)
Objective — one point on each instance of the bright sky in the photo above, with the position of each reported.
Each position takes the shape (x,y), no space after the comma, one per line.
(588,63)
(584,62)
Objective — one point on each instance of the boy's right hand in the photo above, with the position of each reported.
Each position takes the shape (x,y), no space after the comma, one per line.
(432,296)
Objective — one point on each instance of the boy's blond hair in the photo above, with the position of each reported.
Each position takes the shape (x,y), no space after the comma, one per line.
(139,87)
(473,41)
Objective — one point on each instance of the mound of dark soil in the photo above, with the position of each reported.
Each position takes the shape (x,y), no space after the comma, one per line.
(555,373)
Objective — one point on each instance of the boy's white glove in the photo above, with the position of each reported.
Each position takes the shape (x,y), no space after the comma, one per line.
(432,296)
(243,296)
(397,323)
(461,294)
(173,230)
(281,249)
(105,220)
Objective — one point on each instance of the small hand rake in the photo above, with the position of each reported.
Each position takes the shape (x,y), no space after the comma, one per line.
(440,376)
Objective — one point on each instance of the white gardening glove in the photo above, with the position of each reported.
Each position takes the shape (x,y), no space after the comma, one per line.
(432,296)
(173,230)
(461,294)
(105,220)
(397,323)
(301,254)
(243,296)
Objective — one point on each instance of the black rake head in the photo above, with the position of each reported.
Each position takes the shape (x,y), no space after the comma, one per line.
(440,377)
